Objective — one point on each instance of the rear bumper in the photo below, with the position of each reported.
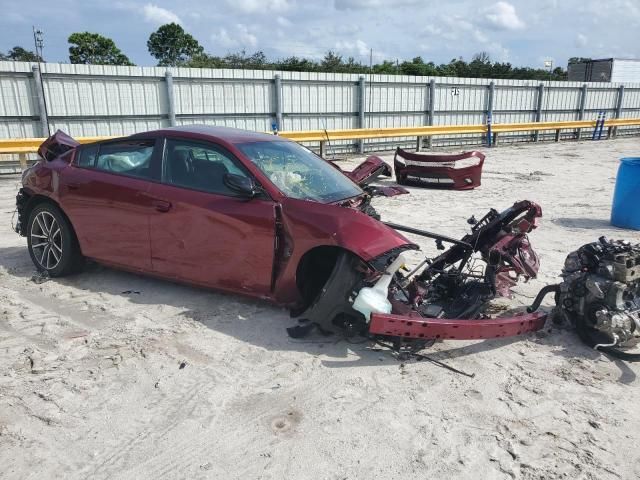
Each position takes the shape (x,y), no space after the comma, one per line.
(410,326)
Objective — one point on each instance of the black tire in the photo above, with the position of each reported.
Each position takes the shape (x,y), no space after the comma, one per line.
(52,243)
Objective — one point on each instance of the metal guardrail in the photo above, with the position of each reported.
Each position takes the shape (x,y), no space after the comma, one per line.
(23,146)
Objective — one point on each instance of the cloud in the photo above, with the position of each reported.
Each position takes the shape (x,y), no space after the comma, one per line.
(454,28)
(158,15)
(14,17)
(361,50)
(503,16)
(581,41)
(349,47)
(239,37)
(260,6)
(283,22)
(370,4)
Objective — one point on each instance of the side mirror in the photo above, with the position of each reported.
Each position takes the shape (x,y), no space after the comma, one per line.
(240,184)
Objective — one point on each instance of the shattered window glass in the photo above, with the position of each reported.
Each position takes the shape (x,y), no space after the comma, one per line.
(298,172)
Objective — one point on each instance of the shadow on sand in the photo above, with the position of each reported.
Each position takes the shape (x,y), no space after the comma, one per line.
(263,325)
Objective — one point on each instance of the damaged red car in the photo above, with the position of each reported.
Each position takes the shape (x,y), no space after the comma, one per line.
(260,215)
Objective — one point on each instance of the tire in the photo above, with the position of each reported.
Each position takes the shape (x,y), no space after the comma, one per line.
(52,243)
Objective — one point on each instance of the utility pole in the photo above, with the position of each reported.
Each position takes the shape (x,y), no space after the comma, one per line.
(38,40)
(370,91)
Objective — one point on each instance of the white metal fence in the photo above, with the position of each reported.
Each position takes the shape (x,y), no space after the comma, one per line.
(88,100)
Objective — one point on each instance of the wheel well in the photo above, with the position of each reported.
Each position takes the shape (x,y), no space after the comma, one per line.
(35,200)
(314,269)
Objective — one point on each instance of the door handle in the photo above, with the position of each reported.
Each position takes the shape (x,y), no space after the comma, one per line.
(161,205)
(72,186)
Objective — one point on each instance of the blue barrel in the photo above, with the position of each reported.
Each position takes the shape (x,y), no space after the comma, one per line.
(625,212)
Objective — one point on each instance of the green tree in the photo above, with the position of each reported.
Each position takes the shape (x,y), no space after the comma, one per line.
(257,60)
(204,60)
(332,62)
(418,67)
(296,64)
(19,54)
(93,48)
(386,67)
(172,46)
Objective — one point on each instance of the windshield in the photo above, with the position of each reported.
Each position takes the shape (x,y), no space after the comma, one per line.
(298,172)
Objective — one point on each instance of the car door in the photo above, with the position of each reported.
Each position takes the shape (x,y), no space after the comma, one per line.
(103,192)
(206,233)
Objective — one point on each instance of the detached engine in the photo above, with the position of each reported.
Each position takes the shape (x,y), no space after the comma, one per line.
(600,295)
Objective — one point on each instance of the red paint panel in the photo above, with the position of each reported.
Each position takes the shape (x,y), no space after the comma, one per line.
(215,240)
(110,215)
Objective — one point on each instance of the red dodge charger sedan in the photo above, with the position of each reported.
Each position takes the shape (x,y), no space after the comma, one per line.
(223,208)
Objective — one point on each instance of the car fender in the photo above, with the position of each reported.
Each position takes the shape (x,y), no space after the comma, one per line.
(307,225)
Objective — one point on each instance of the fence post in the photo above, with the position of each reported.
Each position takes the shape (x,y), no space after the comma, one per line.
(361,104)
(42,106)
(613,131)
(536,135)
(583,100)
(171,102)
(277,98)
(22,158)
(432,109)
(489,114)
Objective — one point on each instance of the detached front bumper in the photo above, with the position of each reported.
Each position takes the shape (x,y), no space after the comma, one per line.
(456,171)
(414,326)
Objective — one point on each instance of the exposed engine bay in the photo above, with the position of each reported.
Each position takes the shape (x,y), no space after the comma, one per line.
(442,297)
(600,296)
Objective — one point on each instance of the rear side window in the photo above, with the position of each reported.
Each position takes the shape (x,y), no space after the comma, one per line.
(87,156)
(132,158)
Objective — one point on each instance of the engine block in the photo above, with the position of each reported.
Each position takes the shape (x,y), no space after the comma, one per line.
(600,293)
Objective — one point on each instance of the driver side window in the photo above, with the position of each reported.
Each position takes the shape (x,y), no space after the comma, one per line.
(199,166)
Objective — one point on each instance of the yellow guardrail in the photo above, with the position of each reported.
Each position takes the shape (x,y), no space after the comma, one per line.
(364,133)
(30,145)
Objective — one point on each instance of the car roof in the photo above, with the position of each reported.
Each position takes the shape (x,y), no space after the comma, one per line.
(231,135)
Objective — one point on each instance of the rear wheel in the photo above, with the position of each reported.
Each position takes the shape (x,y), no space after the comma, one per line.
(52,242)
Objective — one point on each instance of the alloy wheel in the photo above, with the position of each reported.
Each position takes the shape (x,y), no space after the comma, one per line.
(46,240)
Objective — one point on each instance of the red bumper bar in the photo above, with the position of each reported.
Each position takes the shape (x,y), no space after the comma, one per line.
(455,329)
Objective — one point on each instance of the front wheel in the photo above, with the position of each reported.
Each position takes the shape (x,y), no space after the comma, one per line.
(52,243)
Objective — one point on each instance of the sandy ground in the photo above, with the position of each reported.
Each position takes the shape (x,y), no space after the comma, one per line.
(91,384)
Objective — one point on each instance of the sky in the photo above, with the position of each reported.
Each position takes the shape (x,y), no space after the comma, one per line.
(522,32)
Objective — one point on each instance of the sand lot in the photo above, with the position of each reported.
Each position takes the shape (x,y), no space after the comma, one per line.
(91,384)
